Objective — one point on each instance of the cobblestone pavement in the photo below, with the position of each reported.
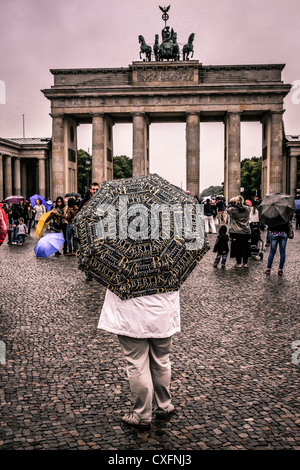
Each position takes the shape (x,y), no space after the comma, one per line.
(236,376)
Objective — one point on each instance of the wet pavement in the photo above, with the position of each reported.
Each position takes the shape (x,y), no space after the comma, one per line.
(236,369)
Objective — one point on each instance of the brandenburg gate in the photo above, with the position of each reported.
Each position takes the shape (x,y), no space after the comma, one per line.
(157,91)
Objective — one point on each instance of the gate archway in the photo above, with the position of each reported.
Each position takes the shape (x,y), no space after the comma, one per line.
(185,91)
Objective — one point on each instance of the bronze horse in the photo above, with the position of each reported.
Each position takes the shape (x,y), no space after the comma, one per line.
(145,49)
(187,48)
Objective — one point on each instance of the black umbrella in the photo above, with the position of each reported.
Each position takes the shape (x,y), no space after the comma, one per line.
(140,236)
(72,194)
(276,209)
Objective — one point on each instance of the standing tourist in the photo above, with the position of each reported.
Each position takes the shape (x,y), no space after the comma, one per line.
(94,187)
(145,326)
(221,207)
(39,210)
(59,222)
(30,215)
(239,230)
(278,237)
(71,211)
(209,214)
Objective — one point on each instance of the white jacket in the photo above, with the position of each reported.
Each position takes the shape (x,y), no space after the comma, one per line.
(150,316)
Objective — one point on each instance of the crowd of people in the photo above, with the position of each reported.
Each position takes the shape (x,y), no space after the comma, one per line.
(241,216)
(22,217)
(235,221)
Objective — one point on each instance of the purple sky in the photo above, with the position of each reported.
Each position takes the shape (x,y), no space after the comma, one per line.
(37,35)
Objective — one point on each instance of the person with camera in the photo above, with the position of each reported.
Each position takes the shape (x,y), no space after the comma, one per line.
(59,221)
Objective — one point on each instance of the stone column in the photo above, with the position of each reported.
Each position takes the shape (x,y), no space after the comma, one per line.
(232,179)
(58,163)
(24,179)
(98,149)
(42,178)
(1,178)
(276,152)
(139,145)
(293,175)
(193,153)
(272,152)
(8,177)
(17,176)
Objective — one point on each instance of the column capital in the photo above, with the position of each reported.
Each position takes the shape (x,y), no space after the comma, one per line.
(192,113)
(54,115)
(276,111)
(138,113)
(235,113)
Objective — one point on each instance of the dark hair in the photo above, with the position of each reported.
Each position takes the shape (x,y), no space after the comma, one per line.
(95,184)
(72,202)
(222,230)
(60,198)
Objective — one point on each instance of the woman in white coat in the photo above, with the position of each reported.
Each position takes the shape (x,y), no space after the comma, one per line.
(145,326)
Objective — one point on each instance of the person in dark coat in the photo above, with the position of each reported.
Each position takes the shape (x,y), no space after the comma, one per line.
(15,217)
(94,187)
(221,247)
(239,229)
(209,213)
(278,236)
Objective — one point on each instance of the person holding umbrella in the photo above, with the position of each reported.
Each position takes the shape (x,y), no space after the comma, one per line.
(144,327)
(276,211)
(142,305)
(278,237)
(39,210)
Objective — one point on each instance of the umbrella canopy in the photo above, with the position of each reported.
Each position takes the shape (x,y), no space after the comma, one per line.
(44,202)
(140,236)
(72,194)
(43,224)
(48,245)
(12,199)
(276,209)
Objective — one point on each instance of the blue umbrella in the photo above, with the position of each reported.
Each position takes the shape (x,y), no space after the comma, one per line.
(48,245)
(44,202)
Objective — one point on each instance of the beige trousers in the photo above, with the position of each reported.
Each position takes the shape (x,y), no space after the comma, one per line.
(149,373)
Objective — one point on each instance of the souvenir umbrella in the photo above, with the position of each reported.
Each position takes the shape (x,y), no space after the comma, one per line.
(140,235)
